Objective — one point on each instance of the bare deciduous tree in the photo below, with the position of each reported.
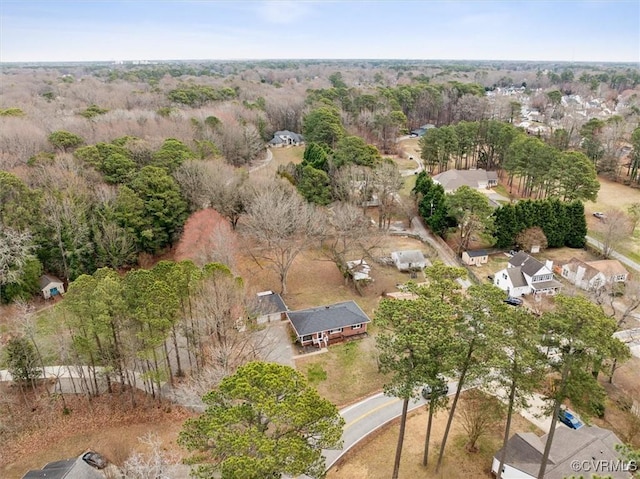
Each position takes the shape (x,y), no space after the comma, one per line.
(613,228)
(156,463)
(283,224)
(531,237)
(479,413)
(388,182)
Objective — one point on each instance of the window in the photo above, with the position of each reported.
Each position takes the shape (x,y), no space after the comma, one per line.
(356,326)
(335,331)
(306,338)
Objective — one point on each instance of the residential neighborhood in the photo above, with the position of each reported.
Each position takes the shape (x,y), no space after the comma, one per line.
(319,240)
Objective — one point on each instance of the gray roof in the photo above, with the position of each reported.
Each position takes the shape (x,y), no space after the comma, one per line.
(589,444)
(454,179)
(46,280)
(74,468)
(410,256)
(270,303)
(516,277)
(324,318)
(276,140)
(476,253)
(547,284)
(528,264)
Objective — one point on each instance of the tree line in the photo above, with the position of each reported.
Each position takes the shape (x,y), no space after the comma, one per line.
(148,327)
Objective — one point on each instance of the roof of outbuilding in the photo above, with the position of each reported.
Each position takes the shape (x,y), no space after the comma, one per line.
(45,280)
(609,267)
(476,253)
(324,318)
(269,302)
(410,256)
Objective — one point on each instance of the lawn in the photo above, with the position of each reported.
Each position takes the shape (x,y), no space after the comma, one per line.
(347,372)
(373,458)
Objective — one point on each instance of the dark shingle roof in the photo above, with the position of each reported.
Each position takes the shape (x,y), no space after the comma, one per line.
(529,265)
(74,468)
(476,253)
(517,279)
(588,444)
(270,303)
(324,318)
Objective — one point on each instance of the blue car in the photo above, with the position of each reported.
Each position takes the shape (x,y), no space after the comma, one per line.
(569,419)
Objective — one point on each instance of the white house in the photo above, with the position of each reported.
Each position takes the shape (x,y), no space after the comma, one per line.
(50,286)
(270,307)
(586,446)
(593,275)
(526,275)
(475,258)
(451,180)
(410,260)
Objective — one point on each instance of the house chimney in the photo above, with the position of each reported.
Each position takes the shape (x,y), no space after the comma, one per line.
(549,264)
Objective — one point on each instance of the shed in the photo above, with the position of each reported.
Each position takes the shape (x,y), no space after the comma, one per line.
(270,307)
(475,258)
(410,260)
(50,286)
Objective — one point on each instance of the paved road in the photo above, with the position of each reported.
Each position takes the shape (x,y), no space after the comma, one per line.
(614,254)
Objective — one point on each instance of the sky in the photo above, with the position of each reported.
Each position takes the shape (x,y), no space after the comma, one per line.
(536,30)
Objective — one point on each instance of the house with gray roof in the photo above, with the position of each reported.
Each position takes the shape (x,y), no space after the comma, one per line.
(286,138)
(590,448)
(325,325)
(526,275)
(451,180)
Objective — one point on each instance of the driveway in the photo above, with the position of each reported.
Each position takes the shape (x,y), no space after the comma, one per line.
(275,343)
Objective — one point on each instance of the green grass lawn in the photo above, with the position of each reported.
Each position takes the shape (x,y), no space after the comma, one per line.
(345,373)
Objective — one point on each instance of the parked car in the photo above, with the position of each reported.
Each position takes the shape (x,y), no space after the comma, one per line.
(569,419)
(94,459)
(513,301)
(441,389)
(599,215)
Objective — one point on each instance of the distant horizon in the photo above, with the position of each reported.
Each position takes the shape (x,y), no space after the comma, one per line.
(258,60)
(74,31)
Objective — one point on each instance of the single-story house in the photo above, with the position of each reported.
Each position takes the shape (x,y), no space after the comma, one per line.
(526,275)
(360,270)
(50,286)
(74,468)
(286,138)
(410,260)
(422,130)
(325,325)
(451,180)
(270,307)
(587,446)
(475,258)
(593,275)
